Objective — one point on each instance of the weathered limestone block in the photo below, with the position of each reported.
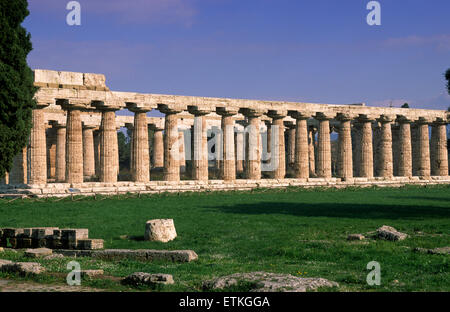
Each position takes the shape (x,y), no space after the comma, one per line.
(23,268)
(95,82)
(91,273)
(146,279)
(37,253)
(355,237)
(161,230)
(389,233)
(89,244)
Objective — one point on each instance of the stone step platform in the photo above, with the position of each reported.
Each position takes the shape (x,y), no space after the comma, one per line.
(145,255)
(156,187)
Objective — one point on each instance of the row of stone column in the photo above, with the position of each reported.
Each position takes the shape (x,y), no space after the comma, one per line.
(78,154)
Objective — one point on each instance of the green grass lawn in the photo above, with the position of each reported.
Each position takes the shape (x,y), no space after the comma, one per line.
(295,231)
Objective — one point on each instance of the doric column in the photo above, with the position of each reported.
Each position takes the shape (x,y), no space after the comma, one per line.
(37,153)
(301,145)
(109,150)
(171,146)
(140,167)
(239,150)
(253,157)
(365,159)
(345,156)
(266,157)
(51,152)
(60,153)
(278,155)
(182,151)
(18,174)
(414,148)
(88,152)
(74,138)
(130,131)
(200,145)
(158,147)
(323,169)
(312,150)
(97,140)
(385,165)
(423,148)
(290,143)
(404,147)
(228,168)
(395,128)
(439,152)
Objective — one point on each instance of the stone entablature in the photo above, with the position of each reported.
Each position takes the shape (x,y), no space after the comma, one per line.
(74,137)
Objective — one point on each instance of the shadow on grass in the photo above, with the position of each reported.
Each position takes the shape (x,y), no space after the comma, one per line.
(338,210)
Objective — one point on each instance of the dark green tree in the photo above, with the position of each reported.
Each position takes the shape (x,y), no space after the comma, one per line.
(406,105)
(16,82)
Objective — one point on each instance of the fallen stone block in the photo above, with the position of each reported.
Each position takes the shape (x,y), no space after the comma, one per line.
(91,273)
(74,234)
(435,251)
(160,230)
(89,244)
(23,268)
(269,282)
(146,255)
(1,249)
(38,253)
(146,279)
(389,233)
(355,237)
(11,233)
(53,257)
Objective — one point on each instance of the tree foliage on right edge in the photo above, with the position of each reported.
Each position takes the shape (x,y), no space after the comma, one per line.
(447,76)
(16,82)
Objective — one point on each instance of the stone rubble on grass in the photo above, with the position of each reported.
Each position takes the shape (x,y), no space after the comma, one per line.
(54,256)
(389,233)
(160,230)
(1,249)
(23,268)
(269,282)
(38,252)
(435,251)
(352,237)
(147,279)
(4,262)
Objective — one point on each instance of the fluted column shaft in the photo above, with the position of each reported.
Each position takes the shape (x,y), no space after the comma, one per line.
(51,153)
(324,150)
(182,150)
(228,170)
(38,150)
(385,150)
(88,152)
(253,159)
(439,152)
(345,157)
(291,145)
(278,158)
(171,148)
(200,160)
(423,153)
(405,150)
(97,140)
(312,151)
(141,160)
(240,151)
(74,147)
(61,154)
(366,161)
(301,163)
(108,147)
(158,148)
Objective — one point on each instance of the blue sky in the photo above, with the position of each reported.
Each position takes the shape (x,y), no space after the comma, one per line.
(295,50)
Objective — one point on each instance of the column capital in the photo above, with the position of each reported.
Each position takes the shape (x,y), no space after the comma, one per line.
(74,104)
(277,114)
(300,115)
(42,102)
(403,119)
(440,121)
(197,111)
(169,110)
(324,115)
(227,111)
(85,126)
(110,105)
(289,124)
(386,119)
(345,116)
(423,120)
(137,107)
(250,112)
(155,127)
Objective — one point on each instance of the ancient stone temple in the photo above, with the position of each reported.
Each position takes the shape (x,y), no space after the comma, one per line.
(73,145)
